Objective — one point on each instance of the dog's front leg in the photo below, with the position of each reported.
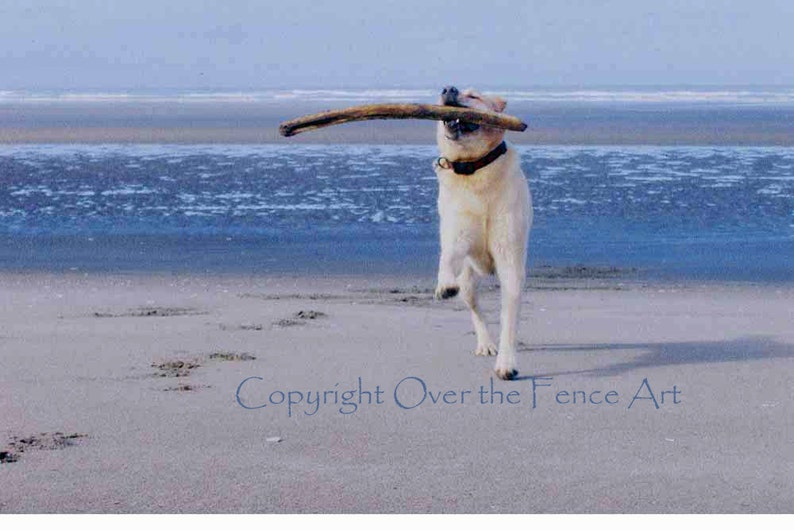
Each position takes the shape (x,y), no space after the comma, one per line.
(468,291)
(455,246)
(511,280)
(457,233)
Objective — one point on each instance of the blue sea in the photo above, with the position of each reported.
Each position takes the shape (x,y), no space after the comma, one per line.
(701,213)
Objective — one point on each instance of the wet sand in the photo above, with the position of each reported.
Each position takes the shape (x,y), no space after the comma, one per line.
(257,122)
(125,393)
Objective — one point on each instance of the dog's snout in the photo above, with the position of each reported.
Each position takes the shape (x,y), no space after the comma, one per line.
(449,95)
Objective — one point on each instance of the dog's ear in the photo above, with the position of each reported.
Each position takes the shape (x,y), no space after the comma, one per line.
(499,103)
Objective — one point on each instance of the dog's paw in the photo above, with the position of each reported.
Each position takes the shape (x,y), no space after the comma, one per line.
(486,350)
(446,291)
(506,374)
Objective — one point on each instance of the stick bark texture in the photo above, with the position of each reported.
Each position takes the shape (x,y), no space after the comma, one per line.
(400,111)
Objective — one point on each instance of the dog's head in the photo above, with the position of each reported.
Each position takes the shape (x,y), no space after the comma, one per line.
(459,140)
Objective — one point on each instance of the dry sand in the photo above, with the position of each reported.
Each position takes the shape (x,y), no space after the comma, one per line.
(118,394)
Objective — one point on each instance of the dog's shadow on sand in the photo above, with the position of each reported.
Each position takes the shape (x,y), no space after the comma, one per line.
(669,354)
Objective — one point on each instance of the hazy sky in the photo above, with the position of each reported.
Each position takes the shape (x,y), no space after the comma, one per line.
(239,44)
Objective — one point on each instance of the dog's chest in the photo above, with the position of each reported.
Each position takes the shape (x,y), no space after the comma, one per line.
(476,193)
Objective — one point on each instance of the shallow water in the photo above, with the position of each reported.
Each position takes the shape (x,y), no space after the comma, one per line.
(705,212)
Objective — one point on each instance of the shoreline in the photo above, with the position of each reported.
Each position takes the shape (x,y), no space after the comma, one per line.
(547,280)
(386,252)
(236,122)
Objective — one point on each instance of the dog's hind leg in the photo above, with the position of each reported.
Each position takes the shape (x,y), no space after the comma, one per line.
(468,291)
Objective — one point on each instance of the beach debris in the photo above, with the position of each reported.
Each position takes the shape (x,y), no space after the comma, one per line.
(151,311)
(184,368)
(300,318)
(242,327)
(161,312)
(581,272)
(47,441)
(7,457)
(287,322)
(232,356)
(309,315)
(251,327)
(177,368)
(414,296)
(294,296)
(400,111)
(184,387)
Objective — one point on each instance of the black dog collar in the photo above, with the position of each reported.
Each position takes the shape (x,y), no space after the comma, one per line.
(469,167)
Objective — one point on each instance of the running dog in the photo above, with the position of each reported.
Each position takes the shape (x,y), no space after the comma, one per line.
(485,209)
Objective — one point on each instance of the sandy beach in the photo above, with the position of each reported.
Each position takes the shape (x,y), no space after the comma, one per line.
(128,393)
(201,316)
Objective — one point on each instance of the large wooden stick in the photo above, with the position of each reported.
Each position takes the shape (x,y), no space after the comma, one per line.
(400,111)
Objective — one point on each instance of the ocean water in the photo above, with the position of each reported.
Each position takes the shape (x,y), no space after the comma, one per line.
(711,213)
(725,95)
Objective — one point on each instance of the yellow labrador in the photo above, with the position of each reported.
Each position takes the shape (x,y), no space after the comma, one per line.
(485,209)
